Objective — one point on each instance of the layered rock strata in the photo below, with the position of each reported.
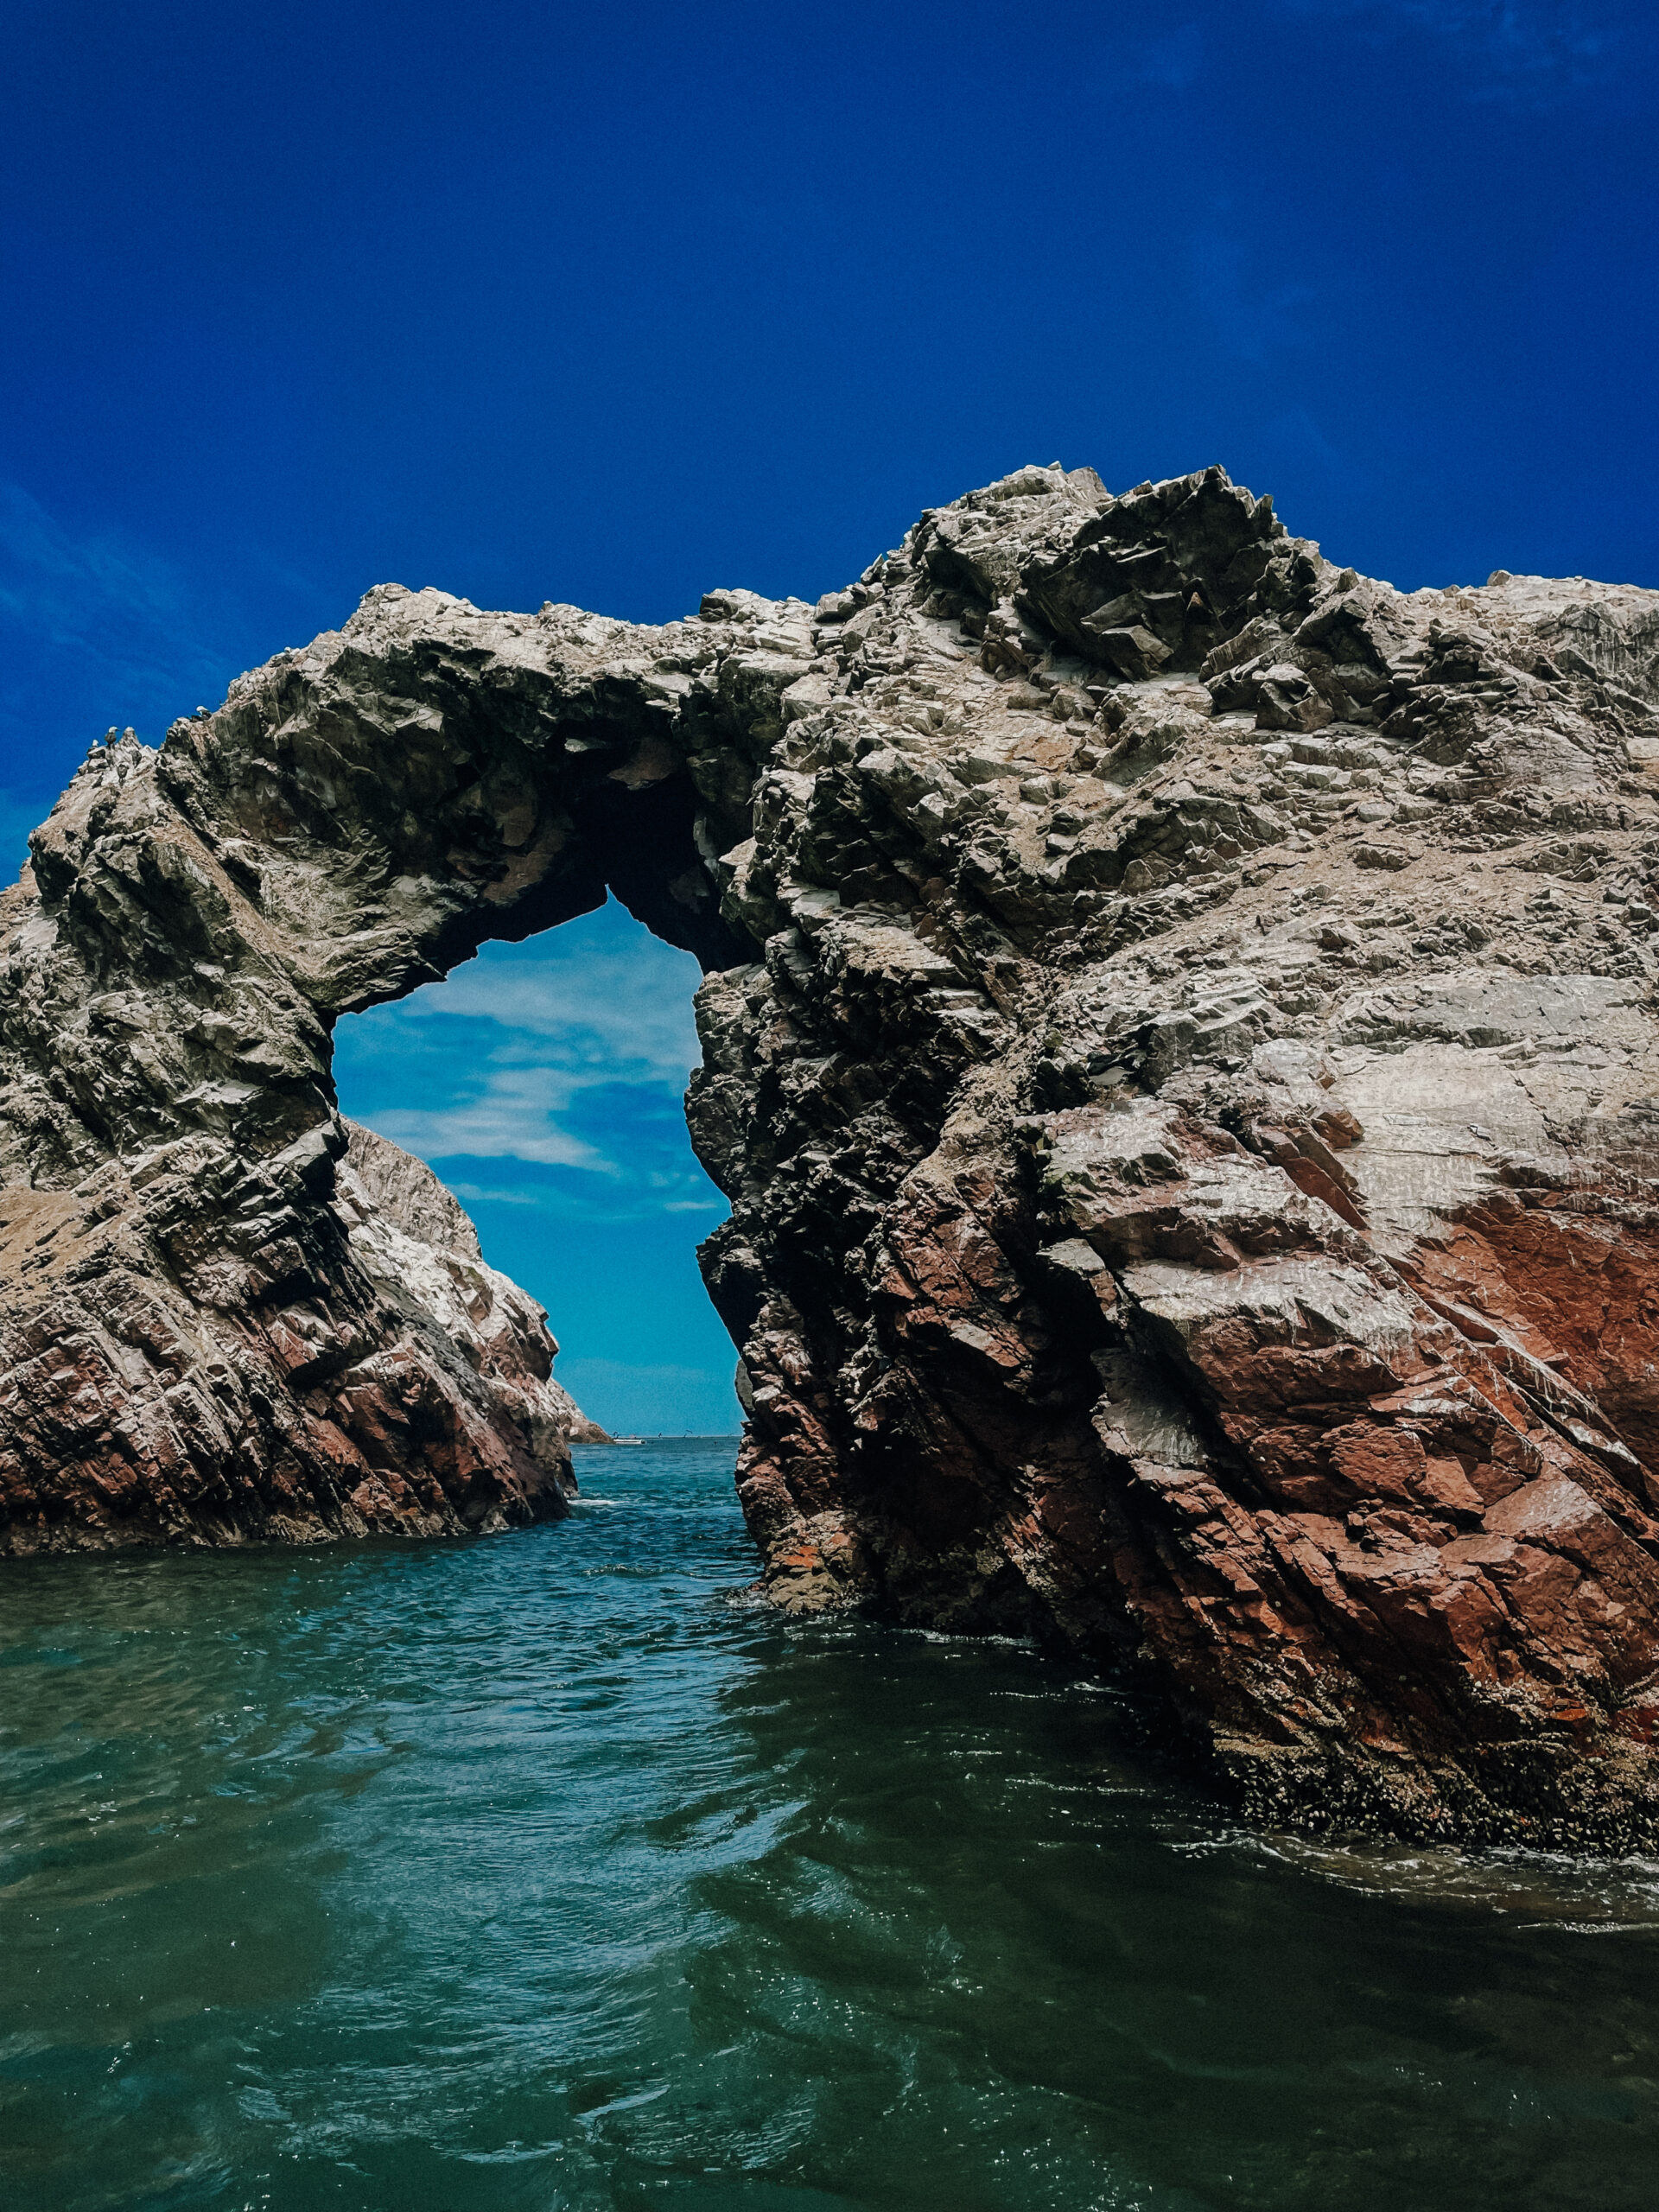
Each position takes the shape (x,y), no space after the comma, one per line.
(412,1392)
(1179,1044)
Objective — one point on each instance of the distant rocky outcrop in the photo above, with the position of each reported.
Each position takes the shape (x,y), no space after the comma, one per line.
(211,1434)
(1180,1043)
(415,1240)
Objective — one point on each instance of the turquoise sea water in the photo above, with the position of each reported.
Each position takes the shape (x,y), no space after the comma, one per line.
(543,1871)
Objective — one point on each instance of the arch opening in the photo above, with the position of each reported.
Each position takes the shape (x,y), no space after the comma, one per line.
(542,1082)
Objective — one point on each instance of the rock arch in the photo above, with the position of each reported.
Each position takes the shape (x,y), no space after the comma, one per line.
(1177,1040)
(210,1337)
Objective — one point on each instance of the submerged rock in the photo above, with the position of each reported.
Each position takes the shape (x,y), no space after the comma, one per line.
(1178,1042)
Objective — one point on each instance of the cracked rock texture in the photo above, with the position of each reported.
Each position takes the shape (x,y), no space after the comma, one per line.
(1180,1043)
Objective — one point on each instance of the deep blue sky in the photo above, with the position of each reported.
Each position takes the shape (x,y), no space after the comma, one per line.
(613,305)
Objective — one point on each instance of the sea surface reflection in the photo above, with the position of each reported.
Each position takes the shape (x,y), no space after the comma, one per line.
(545,1871)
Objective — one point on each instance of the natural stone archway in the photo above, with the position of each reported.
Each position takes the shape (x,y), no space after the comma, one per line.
(209,1337)
(1178,1043)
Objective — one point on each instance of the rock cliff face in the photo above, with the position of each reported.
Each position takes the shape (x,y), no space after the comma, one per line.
(418,1247)
(411,1392)
(1179,1045)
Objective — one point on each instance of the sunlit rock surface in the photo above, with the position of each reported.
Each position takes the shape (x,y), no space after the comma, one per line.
(1179,1045)
(414,1239)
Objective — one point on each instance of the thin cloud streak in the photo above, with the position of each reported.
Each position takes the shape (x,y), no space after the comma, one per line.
(613,1012)
(118,611)
(511,1119)
(48,573)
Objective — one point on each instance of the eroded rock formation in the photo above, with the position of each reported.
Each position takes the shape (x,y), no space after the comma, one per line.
(412,1392)
(415,1242)
(1179,1045)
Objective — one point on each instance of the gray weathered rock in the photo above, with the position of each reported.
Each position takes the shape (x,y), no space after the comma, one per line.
(1179,1041)
(414,1241)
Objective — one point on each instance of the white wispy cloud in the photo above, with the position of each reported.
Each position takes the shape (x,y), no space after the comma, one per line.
(611,1007)
(571,1050)
(510,1116)
(111,604)
(500,1194)
(48,571)
(687,1193)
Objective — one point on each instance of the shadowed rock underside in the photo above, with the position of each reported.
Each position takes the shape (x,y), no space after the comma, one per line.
(1178,1042)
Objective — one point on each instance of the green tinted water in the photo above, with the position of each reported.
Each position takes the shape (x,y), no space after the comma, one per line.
(537,1872)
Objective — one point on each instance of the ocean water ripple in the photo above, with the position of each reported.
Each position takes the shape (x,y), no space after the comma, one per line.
(545,1871)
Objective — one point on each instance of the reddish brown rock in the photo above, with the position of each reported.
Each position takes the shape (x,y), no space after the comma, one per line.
(1179,1044)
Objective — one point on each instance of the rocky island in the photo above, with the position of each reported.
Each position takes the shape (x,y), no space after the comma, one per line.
(1179,1040)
